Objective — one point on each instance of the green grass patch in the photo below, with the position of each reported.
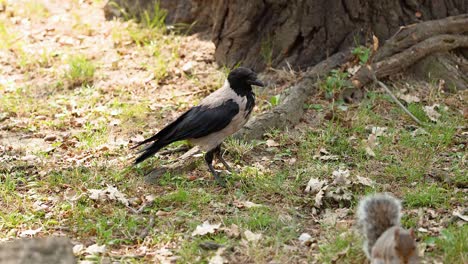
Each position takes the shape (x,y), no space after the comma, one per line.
(454,244)
(80,71)
(341,247)
(426,195)
(334,82)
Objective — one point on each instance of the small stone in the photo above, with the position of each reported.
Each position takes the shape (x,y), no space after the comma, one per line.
(50,138)
(188,67)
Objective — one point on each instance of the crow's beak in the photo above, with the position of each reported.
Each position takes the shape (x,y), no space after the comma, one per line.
(256,82)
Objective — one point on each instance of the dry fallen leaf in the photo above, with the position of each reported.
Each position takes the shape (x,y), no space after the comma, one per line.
(319,197)
(314,185)
(95,249)
(30,232)
(324,155)
(354,69)
(340,177)
(246,204)
(271,143)
(431,112)
(150,198)
(205,228)
(218,258)
(378,131)
(29,158)
(372,140)
(292,161)
(375,43)
(305,239)
(165,256)
(233,231)
(110,193)
(78,249)
(408,98)
(369,151)
(418,132)
(423,230)
(364,181)
(252,237)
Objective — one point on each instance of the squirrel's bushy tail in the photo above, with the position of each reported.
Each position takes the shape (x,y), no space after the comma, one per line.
(377,213)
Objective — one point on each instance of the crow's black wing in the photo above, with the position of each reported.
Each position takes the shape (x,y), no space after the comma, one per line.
(201,121)
(197,122)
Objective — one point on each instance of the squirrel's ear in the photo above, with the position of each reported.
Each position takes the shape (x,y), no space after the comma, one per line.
(412,234)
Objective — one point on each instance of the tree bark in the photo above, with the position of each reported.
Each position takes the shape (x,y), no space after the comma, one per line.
(303,33)
(260,33)
(413,43)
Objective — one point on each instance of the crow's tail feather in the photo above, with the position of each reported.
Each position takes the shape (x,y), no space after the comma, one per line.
(150,151)
(146,141)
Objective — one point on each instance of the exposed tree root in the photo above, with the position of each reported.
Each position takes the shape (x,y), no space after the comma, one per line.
(406,47)
(408,57)
(291,108)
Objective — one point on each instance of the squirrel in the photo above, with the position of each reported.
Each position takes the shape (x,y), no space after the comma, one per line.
(385,240)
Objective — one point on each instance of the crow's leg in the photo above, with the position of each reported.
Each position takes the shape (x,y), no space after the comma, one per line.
(209,161)
(219,155)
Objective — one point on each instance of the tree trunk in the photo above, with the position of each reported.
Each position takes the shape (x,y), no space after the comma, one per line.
(196,14)
(260,33)
(304,33)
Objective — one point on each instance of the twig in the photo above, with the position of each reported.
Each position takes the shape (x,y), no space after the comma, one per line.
(141,209)
(394,98)
(174,150)
(456,217)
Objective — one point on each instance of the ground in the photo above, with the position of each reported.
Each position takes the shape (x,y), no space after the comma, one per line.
(76,91)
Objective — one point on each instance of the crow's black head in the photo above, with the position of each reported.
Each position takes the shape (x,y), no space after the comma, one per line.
(242,79)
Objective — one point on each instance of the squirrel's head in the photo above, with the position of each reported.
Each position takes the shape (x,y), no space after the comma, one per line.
(405,245)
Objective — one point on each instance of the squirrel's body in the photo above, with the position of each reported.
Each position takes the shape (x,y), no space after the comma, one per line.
(386,241)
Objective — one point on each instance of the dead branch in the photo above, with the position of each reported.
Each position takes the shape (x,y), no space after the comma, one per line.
(410,35)
(404,59)
(381,84)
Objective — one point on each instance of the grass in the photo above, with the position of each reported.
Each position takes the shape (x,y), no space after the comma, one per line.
(426,196)
(6,36)
(341,247)
(80,71)
(453,242)
(94,122)
(278,190)
(334,83)
(362,53)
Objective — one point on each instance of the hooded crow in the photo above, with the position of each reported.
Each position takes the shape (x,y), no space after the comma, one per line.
(219,115)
